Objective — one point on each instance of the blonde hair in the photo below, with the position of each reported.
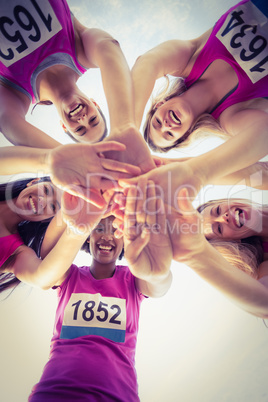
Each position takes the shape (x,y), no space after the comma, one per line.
(204,126)
(244,256)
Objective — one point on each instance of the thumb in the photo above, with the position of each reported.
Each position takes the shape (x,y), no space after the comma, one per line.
(184,202)
(136,246)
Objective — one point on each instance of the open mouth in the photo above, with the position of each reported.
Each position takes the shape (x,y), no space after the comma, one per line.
(105,248)
(239,218)
(78,109)
(174,117)
(32,205)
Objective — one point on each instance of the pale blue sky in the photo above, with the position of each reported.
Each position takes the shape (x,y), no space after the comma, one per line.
(194,345)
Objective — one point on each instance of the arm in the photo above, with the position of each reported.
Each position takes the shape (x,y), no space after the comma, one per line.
(255,175)
(170,57)
(14,126)
(75,166)
(191,248)
(103,51)
(52,270)
(146,241)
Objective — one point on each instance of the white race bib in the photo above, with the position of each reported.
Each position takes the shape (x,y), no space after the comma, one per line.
(25,25)
(245,35)
(94,314)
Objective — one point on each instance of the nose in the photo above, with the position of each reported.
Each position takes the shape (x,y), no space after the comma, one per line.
(82,117)
(107,236)
(167,123)
(223,218)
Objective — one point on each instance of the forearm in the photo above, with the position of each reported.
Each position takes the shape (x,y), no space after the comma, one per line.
(20,132)
(245,291)
(239,152)
(255,176)
(18,159)
(155,287)
(51,270)
(117,83)
(143,77)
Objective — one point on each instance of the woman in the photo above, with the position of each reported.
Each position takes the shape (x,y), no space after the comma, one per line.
(229,86)
(239,271)
(44,51)
(103,330)
(31,200)
(238,224)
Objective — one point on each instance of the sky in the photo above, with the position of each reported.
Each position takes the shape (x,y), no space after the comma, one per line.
(193,344)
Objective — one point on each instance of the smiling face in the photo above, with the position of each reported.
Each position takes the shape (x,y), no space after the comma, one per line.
(171,121)
(104,247)
(38,201)
(231,220)
(81,117)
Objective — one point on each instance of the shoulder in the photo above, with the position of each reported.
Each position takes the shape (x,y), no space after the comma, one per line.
(243,114)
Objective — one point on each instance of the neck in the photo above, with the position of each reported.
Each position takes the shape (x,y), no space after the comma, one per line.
(55,82)
(200,90)
(102,271)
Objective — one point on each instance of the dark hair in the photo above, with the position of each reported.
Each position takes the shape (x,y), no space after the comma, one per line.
(12,189)
(86,248)
(32,233)
(104,135)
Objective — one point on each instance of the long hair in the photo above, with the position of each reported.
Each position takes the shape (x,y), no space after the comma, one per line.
(204,126)
(246,254)
(105,132)
(32,233)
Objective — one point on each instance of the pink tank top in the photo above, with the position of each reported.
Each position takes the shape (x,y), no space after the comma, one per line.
(8,244)
(240,37)
(35,35)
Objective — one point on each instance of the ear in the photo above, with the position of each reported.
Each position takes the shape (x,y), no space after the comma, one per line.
(95,103)
(34,181)
(159,104)
(63,126)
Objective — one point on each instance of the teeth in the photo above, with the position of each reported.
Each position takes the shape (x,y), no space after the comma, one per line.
(174,117)
(33,206)
(102,247)
(76,110)
(239,218)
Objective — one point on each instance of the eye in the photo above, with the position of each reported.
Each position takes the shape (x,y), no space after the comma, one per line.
(218,210)
(46,190)
(99,229)
(158,121)
(170,134)
(219,229)
(53,207)
(92,119)
(78,129)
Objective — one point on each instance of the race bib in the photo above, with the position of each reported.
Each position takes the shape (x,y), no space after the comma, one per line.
(25,25)
(245,35)
(93,314)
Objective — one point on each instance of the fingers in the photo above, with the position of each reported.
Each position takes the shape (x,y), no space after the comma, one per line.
(184,203)
(90,195)
(113,165)
(109,146)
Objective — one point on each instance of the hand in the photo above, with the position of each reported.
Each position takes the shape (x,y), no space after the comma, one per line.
(137,152)
(146,240)
(83,171)
(186,230)
(80,216)
(169,180)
